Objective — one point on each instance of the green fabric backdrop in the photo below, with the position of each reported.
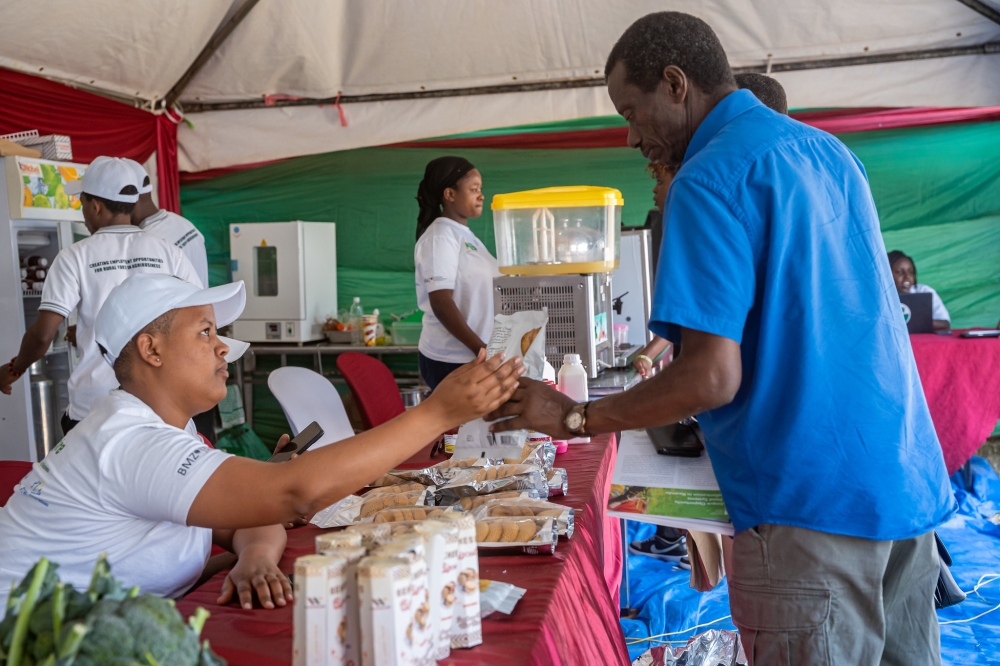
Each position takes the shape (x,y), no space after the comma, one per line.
(936,189)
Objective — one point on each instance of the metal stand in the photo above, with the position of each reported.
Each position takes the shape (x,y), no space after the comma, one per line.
(627,611)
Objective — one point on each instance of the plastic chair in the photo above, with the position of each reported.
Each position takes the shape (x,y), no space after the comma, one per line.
(374,389)
(11,473)
(306,396)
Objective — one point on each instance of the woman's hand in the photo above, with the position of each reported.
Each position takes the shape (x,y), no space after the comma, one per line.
(643,365)
(476,388)
(256,571)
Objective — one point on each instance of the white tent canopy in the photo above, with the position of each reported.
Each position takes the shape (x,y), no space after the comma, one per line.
(410,69)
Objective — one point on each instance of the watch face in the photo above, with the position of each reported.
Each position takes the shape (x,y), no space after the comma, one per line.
(574,420)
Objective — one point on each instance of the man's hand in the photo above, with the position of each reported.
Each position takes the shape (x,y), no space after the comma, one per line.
(6,379)
(476,388)
(256,571)
(535,406)
(70,336)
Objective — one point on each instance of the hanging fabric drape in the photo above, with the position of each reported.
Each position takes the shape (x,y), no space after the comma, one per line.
(96,125)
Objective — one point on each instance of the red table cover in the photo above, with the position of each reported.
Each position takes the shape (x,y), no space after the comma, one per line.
(961,380)
(569,615)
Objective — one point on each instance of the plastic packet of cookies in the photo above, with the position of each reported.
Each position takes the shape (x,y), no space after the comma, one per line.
(497,597)
(516,508)
(539,452)
(533,536)
(477,481)
(428,476)
(518,334)
(354,509)
(397,514)
(558,481)
(470,503)
(404,487)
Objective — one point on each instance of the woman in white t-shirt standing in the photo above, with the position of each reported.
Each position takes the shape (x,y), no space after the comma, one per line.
(454,270)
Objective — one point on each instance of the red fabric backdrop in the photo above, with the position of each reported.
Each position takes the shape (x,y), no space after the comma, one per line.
(96,125)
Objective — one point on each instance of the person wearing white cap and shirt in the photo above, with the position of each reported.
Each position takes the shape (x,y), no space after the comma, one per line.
(83,274)
(131,481)
(171,227)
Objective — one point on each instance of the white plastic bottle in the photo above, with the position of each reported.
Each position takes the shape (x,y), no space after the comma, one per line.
(354,320)
(573,383)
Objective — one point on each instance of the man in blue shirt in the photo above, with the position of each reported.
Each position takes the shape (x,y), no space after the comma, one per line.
(774,275)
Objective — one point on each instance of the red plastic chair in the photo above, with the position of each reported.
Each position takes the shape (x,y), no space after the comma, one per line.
(11,473)
(374,389)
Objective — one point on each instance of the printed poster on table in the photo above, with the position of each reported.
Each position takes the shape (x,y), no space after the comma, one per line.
(666,490)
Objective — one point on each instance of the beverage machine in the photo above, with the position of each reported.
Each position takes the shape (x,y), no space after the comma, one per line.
(37,220)
(557,248)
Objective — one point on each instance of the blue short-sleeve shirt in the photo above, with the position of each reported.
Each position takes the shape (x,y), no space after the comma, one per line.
(771,239)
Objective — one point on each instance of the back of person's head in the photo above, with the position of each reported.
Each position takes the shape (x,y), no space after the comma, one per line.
(766,89)
(114,207)
(440,174)
(659,40)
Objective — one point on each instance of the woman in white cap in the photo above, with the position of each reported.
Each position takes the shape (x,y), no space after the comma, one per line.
(83,274)
(133,482)
(171,227)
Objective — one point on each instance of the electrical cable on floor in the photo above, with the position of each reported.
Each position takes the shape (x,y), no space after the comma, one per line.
(975,591)
(674,633)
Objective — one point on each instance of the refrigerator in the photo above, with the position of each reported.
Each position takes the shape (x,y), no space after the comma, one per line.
(37,220)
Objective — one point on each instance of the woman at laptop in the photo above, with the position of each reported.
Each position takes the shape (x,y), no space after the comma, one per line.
(904,272)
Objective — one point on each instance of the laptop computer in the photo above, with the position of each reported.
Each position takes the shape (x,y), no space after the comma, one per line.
(917,310)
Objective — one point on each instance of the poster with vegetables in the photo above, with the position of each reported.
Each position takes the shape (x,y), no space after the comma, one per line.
(43,188)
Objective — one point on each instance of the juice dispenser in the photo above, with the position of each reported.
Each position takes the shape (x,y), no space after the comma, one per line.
(557,248)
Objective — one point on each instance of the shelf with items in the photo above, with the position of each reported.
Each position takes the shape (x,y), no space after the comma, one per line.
(32,293)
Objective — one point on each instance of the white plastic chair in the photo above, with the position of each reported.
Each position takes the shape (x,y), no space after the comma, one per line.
(308,396)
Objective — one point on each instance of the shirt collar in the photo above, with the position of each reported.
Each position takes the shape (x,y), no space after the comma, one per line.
(155,217)
(732,105)
(118,229)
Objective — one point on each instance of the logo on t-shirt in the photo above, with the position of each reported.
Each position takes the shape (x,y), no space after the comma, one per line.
(190,460)
(470,247)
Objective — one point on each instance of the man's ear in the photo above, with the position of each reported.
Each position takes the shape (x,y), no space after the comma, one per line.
(675,83)
(148,347)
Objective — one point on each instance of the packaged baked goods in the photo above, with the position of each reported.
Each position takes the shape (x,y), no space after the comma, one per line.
(405,487)
(372,534)
(313,575)
(558,481)
(476,481)
(518,334)
(385,611)
(347,634)
(470,503)
(419,633)
(427,476)
(466,627)
(516,508)
(533,536)
(331,542)
(357,509)
(539,451)
(400,513)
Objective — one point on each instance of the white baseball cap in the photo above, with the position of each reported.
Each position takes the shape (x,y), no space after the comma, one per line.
(141,176)
(140,299)
(110,178)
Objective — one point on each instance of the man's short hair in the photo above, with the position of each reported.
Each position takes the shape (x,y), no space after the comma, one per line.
(115,207)
(659,40)
(766,89)
(130,352)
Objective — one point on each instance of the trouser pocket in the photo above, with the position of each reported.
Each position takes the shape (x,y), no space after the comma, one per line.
(782,626)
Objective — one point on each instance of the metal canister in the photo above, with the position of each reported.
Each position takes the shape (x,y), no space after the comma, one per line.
(44,410)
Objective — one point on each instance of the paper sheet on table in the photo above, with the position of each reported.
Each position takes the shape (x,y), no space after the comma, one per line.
(666,490)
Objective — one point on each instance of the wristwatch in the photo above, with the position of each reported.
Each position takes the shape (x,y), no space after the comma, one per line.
(576,421)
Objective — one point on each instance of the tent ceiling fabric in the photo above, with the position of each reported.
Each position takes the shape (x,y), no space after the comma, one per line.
(319,49)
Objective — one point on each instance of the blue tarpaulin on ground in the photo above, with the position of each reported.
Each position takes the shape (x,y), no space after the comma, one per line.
(669,605)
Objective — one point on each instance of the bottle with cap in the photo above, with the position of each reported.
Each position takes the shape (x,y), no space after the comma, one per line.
(573,383)
(354,321)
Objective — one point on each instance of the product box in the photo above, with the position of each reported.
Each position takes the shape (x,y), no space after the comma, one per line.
(52,146)
(441,545)
(311,593)
(419,633)
(386,609)
(466,628)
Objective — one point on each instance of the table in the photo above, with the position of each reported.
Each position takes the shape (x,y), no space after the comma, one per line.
(246,367)
(961,380)
(568,617)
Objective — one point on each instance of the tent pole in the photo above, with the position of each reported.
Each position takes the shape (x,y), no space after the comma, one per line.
(210,48)
(982,8)
(987,48)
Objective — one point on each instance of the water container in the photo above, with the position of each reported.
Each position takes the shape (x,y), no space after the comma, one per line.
(573,383)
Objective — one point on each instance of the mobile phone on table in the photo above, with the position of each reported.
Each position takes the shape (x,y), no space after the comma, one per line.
(993,333)
(299,443)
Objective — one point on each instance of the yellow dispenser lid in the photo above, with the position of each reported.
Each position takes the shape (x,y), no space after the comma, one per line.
(559,197)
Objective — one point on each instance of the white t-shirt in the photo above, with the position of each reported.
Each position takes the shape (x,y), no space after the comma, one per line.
(82,276)
(121,482)
(938,310)
(179,232)
(449,256)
